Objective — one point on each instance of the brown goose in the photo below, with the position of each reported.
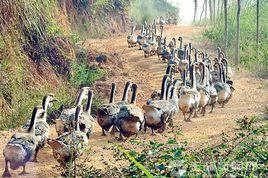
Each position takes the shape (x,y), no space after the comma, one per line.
(70,145)
(130,119)
(189,98)
(159,111)
(22,146)
(65,121)
(106,113)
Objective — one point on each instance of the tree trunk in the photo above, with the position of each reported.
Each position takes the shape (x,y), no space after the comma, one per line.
(225,26)
(195,9)
(210,12)
(218,8)
(258,27)
(237,55)
(206,8)
(202,10)
(214,11)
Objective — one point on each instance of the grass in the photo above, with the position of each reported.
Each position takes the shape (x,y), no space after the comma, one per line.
(242,155)
(249,59)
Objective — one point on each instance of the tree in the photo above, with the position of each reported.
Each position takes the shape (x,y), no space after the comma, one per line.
(214,11)
(206,8)
(225,26)
(203,8)
(237,55)
(210,12)
(258,27)
(218,8)
(195,9)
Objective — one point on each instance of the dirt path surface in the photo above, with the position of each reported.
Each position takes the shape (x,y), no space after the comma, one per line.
(249,99)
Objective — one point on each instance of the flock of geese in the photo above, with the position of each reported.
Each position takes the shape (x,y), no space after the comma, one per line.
(201,82)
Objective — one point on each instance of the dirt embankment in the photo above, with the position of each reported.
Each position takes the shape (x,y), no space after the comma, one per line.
(249,99)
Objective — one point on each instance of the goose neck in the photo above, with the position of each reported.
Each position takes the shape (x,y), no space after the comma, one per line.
(111,100)
(134,94)
(164,88)
(89,102)
(125,94)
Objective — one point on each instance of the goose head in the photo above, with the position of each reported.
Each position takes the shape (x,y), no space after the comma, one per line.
(162,29)
(83,95)
(38,111)
(48,101)
(218,52)
(134,88)
(180,40)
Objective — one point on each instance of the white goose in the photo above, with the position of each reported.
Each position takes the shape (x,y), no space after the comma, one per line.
(189,98)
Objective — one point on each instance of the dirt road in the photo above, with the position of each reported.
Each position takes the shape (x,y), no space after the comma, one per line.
(249,99)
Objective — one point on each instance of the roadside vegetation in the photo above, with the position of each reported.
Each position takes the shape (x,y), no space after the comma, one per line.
(241,154)
(252,59)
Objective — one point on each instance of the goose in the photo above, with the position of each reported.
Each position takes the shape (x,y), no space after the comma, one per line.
(170,72)
(160,37)
(22,146)
(130,119)
(86,119)
(223,89)
(160,49)
(153,45)
(183,63)
(165,53)
(181,51)
(146,47)
(41,127)
(70,145)
(132,38)
(106,113)
(159,111)
(141,38)
(162,21)
(228,71)
(204,88)
(66,118)
(189,98)
(173,99)
(172,44)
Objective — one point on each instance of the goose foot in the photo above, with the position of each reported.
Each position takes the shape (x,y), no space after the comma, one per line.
(212,107)
(203,112)
(35,156)
(121,138)
(34,160)
(6,172)
(195,115)
(113,130)
(103,133)
(153,133)
(23,171)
